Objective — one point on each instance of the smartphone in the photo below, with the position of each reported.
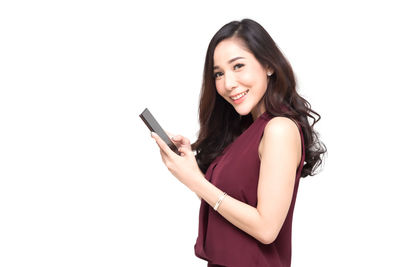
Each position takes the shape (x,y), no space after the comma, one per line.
(154,126)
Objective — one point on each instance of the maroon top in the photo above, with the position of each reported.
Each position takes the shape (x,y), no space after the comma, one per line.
(236,171)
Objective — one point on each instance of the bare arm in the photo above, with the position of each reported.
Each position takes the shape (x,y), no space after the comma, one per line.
(279,160)
(238,213)
(197,193)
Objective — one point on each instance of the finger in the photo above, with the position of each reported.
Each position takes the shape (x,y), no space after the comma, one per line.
(163,156)
(163,146)
(183,140)
(174,138)
(162,153)
(170,135)
(185,150)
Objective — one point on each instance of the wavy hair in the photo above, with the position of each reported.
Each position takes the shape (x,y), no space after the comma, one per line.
(220,124)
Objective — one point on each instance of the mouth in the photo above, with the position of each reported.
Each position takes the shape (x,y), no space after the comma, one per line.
(239,96)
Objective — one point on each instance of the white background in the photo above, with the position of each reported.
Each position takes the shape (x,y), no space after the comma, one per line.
(82,182)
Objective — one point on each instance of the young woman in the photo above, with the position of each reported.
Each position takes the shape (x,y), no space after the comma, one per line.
(254,144)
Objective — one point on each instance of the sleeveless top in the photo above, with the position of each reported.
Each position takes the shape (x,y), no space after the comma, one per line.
(236,171)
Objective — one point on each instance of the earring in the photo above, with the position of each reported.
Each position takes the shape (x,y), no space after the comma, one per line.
(269,74)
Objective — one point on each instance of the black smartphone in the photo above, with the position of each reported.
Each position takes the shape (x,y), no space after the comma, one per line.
(154,126)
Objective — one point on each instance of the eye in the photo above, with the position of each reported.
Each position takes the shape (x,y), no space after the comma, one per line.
(237,66)
(217,75)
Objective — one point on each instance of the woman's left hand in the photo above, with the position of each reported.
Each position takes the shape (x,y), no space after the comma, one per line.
(183,167)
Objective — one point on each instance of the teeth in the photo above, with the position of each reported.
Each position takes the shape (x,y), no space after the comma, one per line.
(239,96)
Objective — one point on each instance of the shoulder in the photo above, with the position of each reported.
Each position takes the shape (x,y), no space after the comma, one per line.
(281,125)
(280,130)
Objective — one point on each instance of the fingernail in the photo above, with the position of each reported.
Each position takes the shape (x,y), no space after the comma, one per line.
(152,134)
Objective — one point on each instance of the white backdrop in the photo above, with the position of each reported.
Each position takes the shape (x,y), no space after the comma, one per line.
(81,180)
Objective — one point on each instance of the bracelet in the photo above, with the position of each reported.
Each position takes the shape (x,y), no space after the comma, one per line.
(219,201)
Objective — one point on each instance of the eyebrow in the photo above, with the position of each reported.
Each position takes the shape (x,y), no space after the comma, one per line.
(230,61)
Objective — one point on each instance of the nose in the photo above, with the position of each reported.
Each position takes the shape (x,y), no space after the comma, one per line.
(230,81)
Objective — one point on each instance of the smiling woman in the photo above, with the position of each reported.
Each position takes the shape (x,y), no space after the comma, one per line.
(235,75)
(254,144)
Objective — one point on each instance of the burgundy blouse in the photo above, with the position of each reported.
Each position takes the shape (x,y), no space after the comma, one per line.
(236,171)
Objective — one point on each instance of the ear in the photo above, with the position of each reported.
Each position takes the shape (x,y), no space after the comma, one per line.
(270,71)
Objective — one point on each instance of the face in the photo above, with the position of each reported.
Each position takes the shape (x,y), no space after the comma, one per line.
(239,78)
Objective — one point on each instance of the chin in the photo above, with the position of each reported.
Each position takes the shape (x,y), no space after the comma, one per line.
(242,111)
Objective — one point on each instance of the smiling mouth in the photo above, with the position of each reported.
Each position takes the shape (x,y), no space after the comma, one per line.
(238,96)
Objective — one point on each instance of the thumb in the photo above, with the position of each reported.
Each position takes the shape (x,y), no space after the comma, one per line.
(183,140)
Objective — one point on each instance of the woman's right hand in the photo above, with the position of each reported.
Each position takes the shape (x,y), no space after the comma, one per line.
(180,141)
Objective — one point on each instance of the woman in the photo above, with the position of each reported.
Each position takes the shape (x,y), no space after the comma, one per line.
(254,144)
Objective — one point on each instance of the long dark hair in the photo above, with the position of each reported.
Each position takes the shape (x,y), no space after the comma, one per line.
(220,124)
